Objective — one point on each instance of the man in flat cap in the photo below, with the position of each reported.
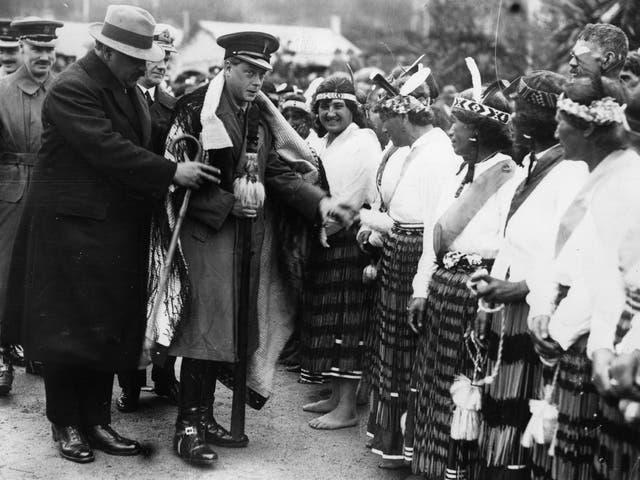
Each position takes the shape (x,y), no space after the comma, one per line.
(77,299)
(10,58)
(21,97)
(246,137)
(161,105)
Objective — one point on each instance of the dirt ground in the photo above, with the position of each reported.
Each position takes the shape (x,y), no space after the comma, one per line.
(282,446)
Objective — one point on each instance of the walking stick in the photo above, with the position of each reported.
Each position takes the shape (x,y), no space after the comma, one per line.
(165,273)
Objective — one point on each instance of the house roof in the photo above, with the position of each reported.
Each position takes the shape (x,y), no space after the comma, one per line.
(312,45)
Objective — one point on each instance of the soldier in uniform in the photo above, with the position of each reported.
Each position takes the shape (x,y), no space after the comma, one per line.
(161,105)
(21,96)
(10,58)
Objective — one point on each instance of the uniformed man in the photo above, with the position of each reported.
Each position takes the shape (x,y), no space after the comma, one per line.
(161,105)
(10,58)
(230,117)
(21,96)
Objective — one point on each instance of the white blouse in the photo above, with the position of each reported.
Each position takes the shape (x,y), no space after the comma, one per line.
(529,241)
(351,162)
(588,262)
(483,235)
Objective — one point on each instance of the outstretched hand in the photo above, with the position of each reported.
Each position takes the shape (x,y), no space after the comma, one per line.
(494,290)
(330,209)
(416,312)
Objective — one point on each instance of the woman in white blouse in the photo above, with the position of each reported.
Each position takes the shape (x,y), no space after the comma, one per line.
(408,185)
(335,310)
(576,305)
(529,245)
(467,235)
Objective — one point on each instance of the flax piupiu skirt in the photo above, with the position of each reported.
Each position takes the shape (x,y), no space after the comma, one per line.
(505,402)
(396,342)
(336,309)
(441,355)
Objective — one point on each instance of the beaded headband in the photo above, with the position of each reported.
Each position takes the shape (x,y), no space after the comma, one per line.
(536,97)
(480,109)
(336,96)
(402,104)
(295,104)
(601,112)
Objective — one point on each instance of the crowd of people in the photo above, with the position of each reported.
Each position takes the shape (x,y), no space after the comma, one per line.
(465,264)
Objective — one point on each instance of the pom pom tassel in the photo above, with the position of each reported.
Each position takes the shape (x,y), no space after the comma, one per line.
(467,397)
(543,425)
(248,189)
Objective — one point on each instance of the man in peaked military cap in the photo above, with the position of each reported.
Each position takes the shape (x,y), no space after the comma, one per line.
(229,115)
(10,58)
(161,105)
(21,96)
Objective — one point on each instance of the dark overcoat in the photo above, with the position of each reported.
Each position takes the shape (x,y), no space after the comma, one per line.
(78,282)
(211,240)
(161,112)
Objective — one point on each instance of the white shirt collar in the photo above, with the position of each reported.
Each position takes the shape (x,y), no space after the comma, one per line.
(152,91)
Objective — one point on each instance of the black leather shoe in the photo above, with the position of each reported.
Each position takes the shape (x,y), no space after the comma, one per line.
(72,444)
(189,445)
(169,390)
(128,400)
(34,367)
(6,378)
(105,438)
(219,436)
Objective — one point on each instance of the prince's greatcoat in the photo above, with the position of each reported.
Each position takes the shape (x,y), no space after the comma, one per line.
(211,242)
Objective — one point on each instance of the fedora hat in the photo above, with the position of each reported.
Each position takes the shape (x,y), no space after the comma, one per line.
(128,30)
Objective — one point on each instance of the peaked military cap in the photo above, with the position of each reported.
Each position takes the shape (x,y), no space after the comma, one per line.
(251,47)
(8,35)
(37,31)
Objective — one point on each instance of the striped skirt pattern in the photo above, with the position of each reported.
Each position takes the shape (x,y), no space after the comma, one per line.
(541,461)
(440,357)
(505,404)
(618,455)
(395,341)
(335,311)
(577,436)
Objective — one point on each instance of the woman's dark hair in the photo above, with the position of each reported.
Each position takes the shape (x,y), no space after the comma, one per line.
(585,90)
(340,83)
(489,133)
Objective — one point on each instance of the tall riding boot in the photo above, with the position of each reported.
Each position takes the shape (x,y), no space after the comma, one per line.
(188,441)
(214,433)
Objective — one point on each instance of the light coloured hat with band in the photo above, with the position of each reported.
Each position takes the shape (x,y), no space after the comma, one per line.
(37,31)
(8,35)
(164,36)
(128,30)
(254,48)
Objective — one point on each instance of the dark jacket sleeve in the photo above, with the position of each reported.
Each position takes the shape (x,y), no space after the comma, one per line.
(291,188)
(77,112)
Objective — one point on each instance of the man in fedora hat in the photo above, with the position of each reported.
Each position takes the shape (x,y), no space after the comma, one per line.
(78,279)
(21,97)
(242,133)
(10,58)
(161,105)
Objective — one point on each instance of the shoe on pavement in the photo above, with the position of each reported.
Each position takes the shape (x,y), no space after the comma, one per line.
(106,439)
(72,444)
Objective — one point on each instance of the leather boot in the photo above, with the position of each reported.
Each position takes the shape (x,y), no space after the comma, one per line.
(214,433)
(188,441)
(6,378)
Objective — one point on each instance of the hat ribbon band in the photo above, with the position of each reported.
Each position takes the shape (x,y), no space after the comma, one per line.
(127,37)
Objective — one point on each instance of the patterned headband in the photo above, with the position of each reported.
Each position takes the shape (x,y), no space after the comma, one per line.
(295,104)
(402,104)
(480,109)
(336,96)
(601,112)
(536,97)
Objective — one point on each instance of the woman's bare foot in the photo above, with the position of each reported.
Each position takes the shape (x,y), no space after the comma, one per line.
(321,406)
(341,417)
